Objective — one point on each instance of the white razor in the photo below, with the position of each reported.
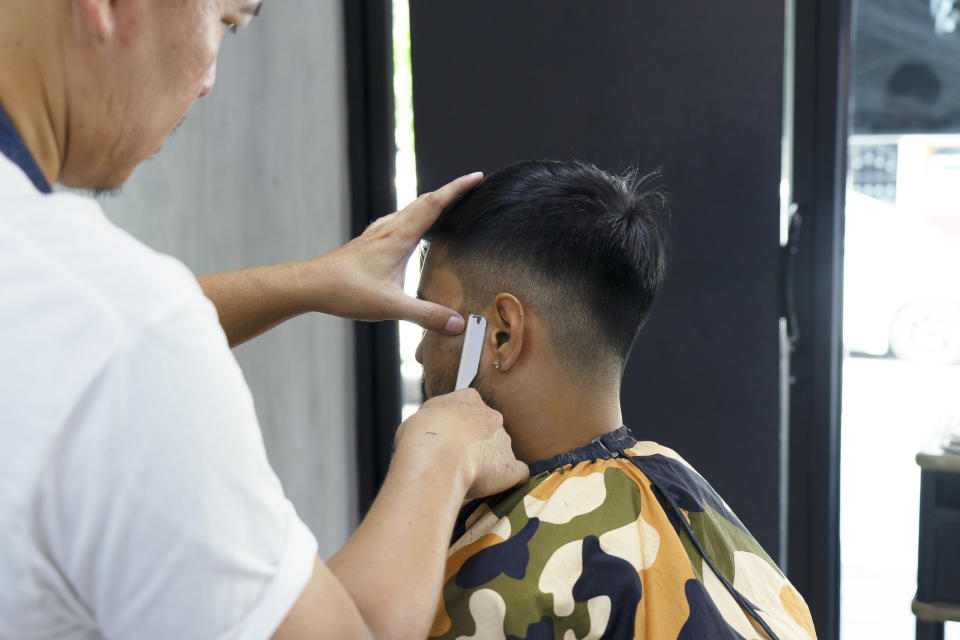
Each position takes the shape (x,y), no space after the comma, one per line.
(472,348)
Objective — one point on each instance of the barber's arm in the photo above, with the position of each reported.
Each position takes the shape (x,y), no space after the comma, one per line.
(362,280)
(386,581)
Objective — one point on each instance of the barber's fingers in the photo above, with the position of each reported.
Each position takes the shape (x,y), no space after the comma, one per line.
(420,214)
(463,428)
(430,315)
(515,472)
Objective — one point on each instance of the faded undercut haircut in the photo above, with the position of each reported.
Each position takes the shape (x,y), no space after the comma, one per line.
(583,248)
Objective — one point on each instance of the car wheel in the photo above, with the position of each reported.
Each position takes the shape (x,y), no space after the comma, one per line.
(927,332)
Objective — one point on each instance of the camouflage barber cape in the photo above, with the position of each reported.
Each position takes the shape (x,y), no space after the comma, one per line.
(618,539)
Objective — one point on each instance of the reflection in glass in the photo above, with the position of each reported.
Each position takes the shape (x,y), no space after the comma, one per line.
(901,299)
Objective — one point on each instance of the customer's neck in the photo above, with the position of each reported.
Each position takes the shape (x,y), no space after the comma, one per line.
(553,415)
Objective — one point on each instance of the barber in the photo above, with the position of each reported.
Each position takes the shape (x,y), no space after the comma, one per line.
(136,500)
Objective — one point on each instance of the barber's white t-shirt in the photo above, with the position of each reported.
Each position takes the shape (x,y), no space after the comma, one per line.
(136,500)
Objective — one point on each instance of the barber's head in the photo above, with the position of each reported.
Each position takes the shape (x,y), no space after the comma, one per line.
(563,260)
(123,73)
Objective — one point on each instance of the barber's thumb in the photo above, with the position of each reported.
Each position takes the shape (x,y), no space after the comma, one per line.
(521,471)
(434,317)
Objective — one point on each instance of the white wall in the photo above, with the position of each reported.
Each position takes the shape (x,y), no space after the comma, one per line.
(256,175)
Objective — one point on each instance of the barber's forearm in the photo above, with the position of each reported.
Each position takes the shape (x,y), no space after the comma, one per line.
(252,301)
(393,565)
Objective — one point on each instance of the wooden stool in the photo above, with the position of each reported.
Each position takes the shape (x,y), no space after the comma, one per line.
(930,619)
(938,560)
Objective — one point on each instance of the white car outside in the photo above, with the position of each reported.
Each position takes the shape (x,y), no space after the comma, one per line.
(901,284)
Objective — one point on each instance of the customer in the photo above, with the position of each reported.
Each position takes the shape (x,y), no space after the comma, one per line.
(609,537)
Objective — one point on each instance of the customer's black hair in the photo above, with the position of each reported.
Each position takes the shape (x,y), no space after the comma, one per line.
(585,249)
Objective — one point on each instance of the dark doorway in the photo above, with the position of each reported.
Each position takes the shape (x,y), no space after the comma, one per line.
(694,91)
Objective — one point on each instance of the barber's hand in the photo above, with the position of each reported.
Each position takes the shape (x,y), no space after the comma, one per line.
(369,270)
(460,427)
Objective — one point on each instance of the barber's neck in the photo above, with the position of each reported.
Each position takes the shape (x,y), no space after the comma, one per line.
(32,86)
(547,412)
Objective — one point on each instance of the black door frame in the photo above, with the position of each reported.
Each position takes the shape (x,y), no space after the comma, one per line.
(368,39)
(815,281)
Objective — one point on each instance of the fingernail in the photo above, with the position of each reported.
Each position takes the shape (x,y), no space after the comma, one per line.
(476,174)
(454,324)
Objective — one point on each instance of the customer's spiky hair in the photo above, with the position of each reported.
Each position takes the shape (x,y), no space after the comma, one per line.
(585,249)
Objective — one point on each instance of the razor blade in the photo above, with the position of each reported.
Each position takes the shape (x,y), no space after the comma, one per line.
(472,348)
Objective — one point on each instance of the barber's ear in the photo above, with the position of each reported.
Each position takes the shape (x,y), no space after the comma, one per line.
(99,16)
(505,330)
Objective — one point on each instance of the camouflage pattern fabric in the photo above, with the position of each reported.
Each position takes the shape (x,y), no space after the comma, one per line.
(635,545)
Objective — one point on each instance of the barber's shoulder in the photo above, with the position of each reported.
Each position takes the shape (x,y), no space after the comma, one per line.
(76,291)
(95,263)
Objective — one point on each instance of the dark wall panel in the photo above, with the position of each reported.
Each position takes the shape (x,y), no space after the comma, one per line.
(694,88)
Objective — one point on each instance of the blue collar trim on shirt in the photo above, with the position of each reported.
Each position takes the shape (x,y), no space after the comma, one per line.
(12,146)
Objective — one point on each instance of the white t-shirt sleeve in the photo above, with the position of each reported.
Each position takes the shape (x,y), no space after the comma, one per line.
(158,506)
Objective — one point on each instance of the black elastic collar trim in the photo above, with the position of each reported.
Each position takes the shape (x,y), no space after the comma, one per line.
(607,446)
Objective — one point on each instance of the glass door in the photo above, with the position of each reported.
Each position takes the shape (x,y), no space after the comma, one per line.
(411,373)
(901,302)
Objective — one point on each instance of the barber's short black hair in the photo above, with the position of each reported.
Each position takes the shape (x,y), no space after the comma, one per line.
(585,249)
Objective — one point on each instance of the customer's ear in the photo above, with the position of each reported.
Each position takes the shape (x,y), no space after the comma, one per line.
(505,331)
